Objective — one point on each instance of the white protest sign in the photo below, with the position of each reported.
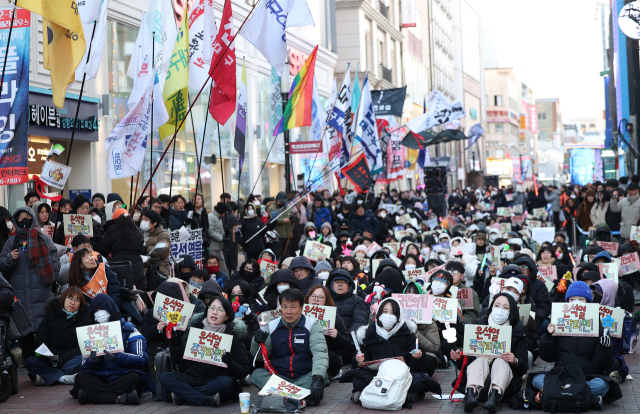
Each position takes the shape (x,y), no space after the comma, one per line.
(412,275)
(325,315)
(612,318)
(99,338)
(278,386)
(543,234)
(207,346)
(486,341)
(445,310)
(524,309)
(267,268)
(55,174)
(393,247)
(75,224)
(403,219)
(609,271)
(315,251)
(418,308)
(167,309)
(575,319)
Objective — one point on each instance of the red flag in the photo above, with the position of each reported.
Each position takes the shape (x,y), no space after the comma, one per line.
(357,172)
(223,92)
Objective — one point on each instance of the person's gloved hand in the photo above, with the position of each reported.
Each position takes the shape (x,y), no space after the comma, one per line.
(260,336)
(605,341)
(108,356)
(227,359)
(317,390)
(127,295)
(93,358)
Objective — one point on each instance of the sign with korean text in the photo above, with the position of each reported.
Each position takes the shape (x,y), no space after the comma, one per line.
(486,341)
(609,247)
(504,211)
(629,263)
(549,272)
(612,318)
(267,268)
(363,262)
(99,338)
(635,234)
(305,147)
(540,213)
(48,230)
(609,271)
(505,227)
(393,247)
(404,219)
(465,298)
(417,308)
(191,246)
(167,309)
(278,386)
(316,251)
(517,209)
(575,319)
(428,274)
(517,220)
(445,310)
(533,223)
(325,315)
(207,346)
(75,224)
(374,247)
(412,275)
(524,310)
(457,250)
(399,234)
(439,246)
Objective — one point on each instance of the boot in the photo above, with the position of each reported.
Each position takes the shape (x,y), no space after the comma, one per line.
(412,397)
(470,400)
(492,402)
(83,398)
(431,385)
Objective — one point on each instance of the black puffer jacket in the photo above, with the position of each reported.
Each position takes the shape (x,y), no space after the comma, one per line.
(279,276)
(157,341)
(250,226)
(351,308)
(6,299)
(59,333)
(4,231)
(254,279)
(129,252)
(537,291)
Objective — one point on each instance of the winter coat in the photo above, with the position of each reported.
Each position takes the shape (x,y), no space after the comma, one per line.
(319,216)
(613,219)
(113,286)
(305,237)
(198,373)
(594,359)
(124,252)
(429,339)
(584,214)
(251,226)
(537,291)
(342,342)
(295,349)
(350,307)
(630,213)
(98,233)
(6,299)
(599,213)
(554,199)
(23,277)
(58,332)
(519,199)
(216,232)
(177,219)
(159,235)
(282,275)
(281,228)
(255,280)
(366,222)
(4,231)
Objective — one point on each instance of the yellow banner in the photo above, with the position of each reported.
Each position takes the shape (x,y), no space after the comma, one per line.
(176,87)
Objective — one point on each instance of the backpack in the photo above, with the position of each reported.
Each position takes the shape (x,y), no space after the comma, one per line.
(162,363)
(388,390)
(566,390)
(322,215)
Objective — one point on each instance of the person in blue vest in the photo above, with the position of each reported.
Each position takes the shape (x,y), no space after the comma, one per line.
(296,348)
(319,214)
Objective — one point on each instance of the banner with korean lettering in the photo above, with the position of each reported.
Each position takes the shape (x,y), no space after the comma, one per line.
(445,310)
(167,309)
(612,319)
(575,319)
(278,386)
(75,224)
(192,245)
(14,113)
(395,156)
(315,251)
(207,346)
(417,308)
(99,338)
(325,315)
(486,341)
(628,263)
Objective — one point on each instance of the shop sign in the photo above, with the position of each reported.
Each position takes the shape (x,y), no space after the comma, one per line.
(49,116)
(36,156)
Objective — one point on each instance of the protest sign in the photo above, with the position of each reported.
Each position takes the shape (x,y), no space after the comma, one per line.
(540,213)
(533,223)
(374,266)
(517,209)
(635,234)
(261,294)
(509,197)
(609,271)
(457,250)
(428,274)
(404,219)
(500,281)
(374,247)
(192,245)
(629,263)
(445,310)
(48,230)
(575,319)
(167,309)
(278,386)
(75,224)
(504,212)
(207,346)
(432,223)
(547,282)
(609,247)
(486,341)
(517,220)
(315,251)
(470,248)
(417,308)
(393,247)
(363,263)
(374,365)
(412,275)
(524,309)
(267,268)
(505,227)
(440,246)
(100,337)
(399,234)
(55,174)
(550,272)
(612,318)
(325,315)
(543,234)
(465,298)
(453,291)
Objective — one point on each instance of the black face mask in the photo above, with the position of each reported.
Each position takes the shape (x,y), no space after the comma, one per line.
(186,276)
(25,223)
(241,298)
(246,275)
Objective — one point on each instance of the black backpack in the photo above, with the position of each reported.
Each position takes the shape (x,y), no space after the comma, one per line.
(566,390)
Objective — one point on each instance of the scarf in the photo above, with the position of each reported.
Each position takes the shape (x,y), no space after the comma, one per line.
(633,199)
(38,254)
(213,328)
(383,332)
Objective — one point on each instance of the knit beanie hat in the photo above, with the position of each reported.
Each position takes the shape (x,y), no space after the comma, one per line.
(323,265)
(579,289)
(287,261)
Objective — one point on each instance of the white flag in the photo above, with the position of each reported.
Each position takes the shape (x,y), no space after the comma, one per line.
(162,28)
(198,69)
(366,136)
(340,119)
(210,31)
(141,50)
(265,28)
(317,115)
(92,13)
(440,112)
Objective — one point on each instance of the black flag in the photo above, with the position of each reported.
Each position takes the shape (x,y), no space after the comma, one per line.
(358,174)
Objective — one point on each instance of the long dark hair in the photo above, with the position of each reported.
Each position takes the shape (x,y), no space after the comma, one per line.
(126,230)
(514,315)
(395,308)
(75,268)
(244,288)
(605,198)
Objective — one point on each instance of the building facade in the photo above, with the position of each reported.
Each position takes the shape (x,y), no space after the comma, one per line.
(550,149)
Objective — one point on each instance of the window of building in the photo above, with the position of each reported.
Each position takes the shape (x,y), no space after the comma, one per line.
(542,116)
(542,134)
(488,154)
(499,153)
(497,100)
(499,128)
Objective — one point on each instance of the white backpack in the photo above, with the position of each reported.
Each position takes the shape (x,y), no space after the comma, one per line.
(388,390)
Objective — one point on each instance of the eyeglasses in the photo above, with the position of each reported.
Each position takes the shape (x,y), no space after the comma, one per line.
(221,310)
(455,272)
(72,299)
(314,297)
(523,267)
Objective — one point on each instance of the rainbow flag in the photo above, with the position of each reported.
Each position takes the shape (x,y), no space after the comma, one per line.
(298,110)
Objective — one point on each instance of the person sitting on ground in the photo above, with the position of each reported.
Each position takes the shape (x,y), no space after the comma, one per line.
(280,281)
(351,307)
(305,273)
(457,272)
(93,277)
(239,295)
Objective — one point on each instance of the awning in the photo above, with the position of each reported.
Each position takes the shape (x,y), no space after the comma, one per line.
(428,137)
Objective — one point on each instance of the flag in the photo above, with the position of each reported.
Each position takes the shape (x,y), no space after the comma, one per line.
(198,69)
(210,31)
(366,136)
(63,43)
(440,112)
(333,143)
(56,149)
(299,107)
(355,93)
(176,86)
(317,115)
(475,132)
(358,174)
(92,13)
(395,158)
(265,28)
(241,119)
(340,119)
(162,29)
(141,52)
(223,69)
(275,107)
(422,153)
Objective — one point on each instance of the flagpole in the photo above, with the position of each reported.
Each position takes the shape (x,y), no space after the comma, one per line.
(204,134)
(195,144)
(153,90)
(6,53)
(226,226)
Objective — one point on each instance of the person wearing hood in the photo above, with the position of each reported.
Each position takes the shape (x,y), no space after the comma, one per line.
(362,219)
(310,234)
(151,226)
(503,374)
(350,307)
(305,273)
(595,355)
(584,211)
(457,272)
(390,336)
(251,225)
(538,291)
(625,295)
(43,213)
(238,293)
(629,207)
(351,265)
(250,273)
(280,281)
(114,378)
(319,214)
(6,226)
(327,235)
(197,383)
(57,332)
(428,336)
(323,268)
(31,264)
(81,205)
(440,287)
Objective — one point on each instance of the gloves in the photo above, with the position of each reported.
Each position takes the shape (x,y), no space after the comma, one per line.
(317,390)
(93,358)
(605,341)
(127,295)
(260,336)
(108,356)
(227,359)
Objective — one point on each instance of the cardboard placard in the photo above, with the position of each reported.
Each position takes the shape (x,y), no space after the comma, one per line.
(517,220)
(315,251)
(540,213)
(440,246)
(575,319)
(417,308)
(261,294)
(48,230)
(457,250)
(271,315)
(412,275)
(465,298)
(543,234)
(207,347)
(445,310)
(533,223)
(374,365)
(509,196)
(504,212)
(609,271)
(486,341)
(500,281)
(428,274)
(394,247)
(267,268)
(550,272)
(547,282)
(629,263)
(278,386)
(517,209)
(612,318)
(524,309)
(374,247)
(635,234)
(432,223)
(192,245)
(75,224)
(399,234)
(325,315)
(100,337)
(505,227)
(609,247)
(167,309)
(55,174)
(374,266)
(362,262)
(404,219)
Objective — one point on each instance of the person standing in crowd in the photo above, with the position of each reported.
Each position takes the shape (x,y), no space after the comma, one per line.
(553,196)
(31,198)
(629,207)
(154,233)
(203,216)
(43,214)
(81,205)
(283,224)
(217,236)
(98,202)
(6,226)
(232,229)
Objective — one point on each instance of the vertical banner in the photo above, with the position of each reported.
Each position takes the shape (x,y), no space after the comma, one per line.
(408,9)
(14,112)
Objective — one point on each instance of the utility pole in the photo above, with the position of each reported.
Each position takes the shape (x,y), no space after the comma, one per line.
(287,163)
(611,93)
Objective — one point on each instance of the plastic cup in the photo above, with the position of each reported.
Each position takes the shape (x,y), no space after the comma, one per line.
(245,402)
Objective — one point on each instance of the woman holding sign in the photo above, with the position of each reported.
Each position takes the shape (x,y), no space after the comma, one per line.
(493,379)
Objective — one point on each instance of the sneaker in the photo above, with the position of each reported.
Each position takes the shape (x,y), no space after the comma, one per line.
(246,380)
(83,398)
(40,381)
(355,397)
(67,379)
(177,400)
(615,375)
(132,398)
(212,400)
(337,376)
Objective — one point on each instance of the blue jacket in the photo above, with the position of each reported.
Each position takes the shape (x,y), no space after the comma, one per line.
(322,215)
(292,356)
(368,221)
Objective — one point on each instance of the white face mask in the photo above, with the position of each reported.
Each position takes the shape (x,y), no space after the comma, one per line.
(144,226)
(256,202)
(323,275)
(360,201)
(438,287)
(560,256)
(282,288)
(102,316)
(388,320)
(409,267)
(383,215)
(442,257)
(499,316)
(513,295)
(251,213)
(409,210)
(9,225)
(401,212)
(493,237)
(577,301)
(425,251)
